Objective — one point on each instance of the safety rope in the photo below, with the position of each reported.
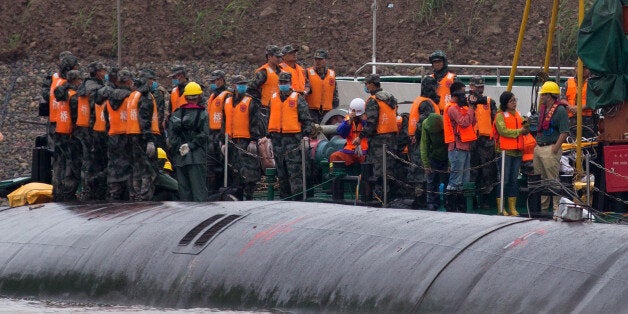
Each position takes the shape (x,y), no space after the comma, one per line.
(413,165)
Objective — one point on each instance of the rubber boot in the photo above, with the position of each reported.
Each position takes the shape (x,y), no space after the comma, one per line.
(499,202)
(512,206)
(450,200)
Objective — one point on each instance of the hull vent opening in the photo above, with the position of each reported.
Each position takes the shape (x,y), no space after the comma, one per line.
(215,229)
(196,230)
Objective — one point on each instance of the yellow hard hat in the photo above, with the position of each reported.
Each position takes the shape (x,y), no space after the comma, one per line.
(192,89)
(168,165)
(161,154)
(550,87)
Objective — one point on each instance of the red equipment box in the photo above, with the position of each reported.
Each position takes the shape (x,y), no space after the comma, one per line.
(616,159)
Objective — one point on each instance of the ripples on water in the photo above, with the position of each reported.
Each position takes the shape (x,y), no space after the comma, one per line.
(36,306)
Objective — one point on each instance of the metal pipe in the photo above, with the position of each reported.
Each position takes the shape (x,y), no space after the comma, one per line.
(226,168)
(580,76)
(515,60)
(384,178)
(550,36)
(374,56)
(588,181)
(303,148)
(502,175)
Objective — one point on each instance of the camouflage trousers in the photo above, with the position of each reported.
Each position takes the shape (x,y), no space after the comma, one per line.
(143,173)
(85,138)
(376,151)
(286,148)
(118,167)
(215,162)
(482,151)
(415,174)
(66,167)
(247,166)
(96,176)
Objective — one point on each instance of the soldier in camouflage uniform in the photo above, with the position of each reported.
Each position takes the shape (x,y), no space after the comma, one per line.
(289,124)
(380,128)
(67,173)
(118,153)
(161,96)
(264,84)
(215,106)
(92,180)
(140,128)
(47,91)
(244,133)
(188,131)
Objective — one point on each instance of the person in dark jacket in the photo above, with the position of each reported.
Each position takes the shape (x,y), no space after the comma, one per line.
(188,131)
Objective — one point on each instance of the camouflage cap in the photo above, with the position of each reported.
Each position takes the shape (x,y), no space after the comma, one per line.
(68,62)
(148,74)
(289,49)
(64,54)
(124,75)
(285,77)
(95,67)
(73,75)
(239,79)
(321,54)
(273,50)
(217,74)
(372,78)
(476,80)
(178,69)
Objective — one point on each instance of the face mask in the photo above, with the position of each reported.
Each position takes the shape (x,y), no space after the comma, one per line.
(284,87)
(213,86)
(106,78)
(366,90)
(175,82)
(241,88)
(154,86)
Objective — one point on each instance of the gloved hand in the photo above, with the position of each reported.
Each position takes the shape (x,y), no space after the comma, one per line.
(223,148)
(150,149)
(358,151)
(252,148)
(184,149)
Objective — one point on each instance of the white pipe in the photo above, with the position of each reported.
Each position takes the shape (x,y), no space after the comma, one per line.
(303,143)
(501,186)
(384,178)
(224,181)
(374,57)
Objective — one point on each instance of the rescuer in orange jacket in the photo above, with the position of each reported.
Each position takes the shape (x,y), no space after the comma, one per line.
(458,126)
(483,149)
(349,129)
(509,130)
(381,128)
(443,76)
(266,80)
(179,80)
(300,83)
(215,108)
(289,124)
(322,95)
(589,117)
(67,168)
(47,107)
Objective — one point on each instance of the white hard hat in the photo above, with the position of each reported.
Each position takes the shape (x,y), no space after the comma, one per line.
(357,104)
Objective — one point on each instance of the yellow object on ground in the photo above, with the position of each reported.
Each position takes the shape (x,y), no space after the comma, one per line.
(31,193)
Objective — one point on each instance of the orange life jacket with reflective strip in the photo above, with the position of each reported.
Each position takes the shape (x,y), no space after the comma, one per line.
(176,100)
(154,119)
(298,76)
(484,124)
(132,113)
(83,112)
(100,125)
(64,118)
(54,104)
(571,94)
(284,116)
(215,106)
(513,122)
(237,118)
(467,134)
(443,90)
(322,90)
(271,86)
(353,134)
(415,116)
(117,119)
(387,120)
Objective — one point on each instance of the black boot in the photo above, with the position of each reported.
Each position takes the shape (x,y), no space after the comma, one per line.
(461,204)
(450,200)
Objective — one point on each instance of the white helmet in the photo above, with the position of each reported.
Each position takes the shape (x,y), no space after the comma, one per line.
(357,104)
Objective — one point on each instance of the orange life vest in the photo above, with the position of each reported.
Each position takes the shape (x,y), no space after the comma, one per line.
(215,106)
(298,76)
(83,112)
(529,142)
(117,119)
(237,118)
(571,93)
(64,119)
(484,124)
(54,104)
(467,134)
(415,116)
(387,120)
(132,113)
(353,134)
(271,86)
(284,116)
(154,119)
(176,100)
(513,122)
(322,90)
(443,90)
(100,125)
